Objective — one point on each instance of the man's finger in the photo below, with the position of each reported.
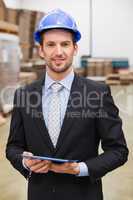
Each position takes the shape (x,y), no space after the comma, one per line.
(32,163)
(70,168)
(27,161)
(38,165)
(43,169)
(65,166)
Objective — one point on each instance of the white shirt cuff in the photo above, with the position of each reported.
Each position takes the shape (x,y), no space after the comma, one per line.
(83,169)
(25,165)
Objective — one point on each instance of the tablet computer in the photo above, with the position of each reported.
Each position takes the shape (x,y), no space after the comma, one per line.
(55,160)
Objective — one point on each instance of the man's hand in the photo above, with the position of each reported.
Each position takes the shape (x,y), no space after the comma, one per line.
(67,168)
(43,166)
(37,166)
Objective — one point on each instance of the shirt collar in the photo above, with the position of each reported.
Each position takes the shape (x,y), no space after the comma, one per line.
(66,82)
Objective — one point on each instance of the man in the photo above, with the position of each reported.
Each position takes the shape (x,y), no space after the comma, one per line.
(64,116)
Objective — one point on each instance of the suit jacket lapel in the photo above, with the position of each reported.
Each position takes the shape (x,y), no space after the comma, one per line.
(39,119)
(70,111)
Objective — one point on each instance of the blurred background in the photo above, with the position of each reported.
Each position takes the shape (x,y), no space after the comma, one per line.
(105,55)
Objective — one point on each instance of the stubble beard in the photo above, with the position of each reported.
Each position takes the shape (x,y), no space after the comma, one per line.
(59,69)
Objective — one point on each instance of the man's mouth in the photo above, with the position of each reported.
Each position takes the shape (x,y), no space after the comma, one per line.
(59,61)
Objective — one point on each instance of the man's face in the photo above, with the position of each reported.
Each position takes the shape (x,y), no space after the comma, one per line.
(58,50)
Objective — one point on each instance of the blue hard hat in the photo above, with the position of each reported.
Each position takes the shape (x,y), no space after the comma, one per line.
(57,19)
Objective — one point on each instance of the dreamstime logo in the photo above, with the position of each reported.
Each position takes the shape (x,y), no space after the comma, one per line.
(124,101)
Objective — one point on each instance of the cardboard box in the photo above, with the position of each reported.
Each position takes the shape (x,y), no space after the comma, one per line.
(2,14)
(27,26)
(12,16)
(107,68)
(80,71)
(2,11)
(91,71)
(24,33)
(99,68)
(8,27)
(113,79)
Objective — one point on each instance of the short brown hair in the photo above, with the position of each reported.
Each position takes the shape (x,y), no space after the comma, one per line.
(44,31)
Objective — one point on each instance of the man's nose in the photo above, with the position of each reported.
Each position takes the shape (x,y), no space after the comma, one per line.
(59,50)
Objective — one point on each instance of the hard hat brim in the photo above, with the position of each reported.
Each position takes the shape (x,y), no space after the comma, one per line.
(37,34)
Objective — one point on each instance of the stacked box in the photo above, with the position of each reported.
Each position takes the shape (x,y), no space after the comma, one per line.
(38,67)
(27,24)
(1,14)
(2,11)
(27,77)
(7,14)
(126,77)
(24,33)
(107,67)
(80,71)
(12,16)
(90,70)
(39,16)
(131,78)
(113,79)
(6,27)
(99,68)
(9,71)
(32,29)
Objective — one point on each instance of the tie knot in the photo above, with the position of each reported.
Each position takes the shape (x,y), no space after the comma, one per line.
(56,87)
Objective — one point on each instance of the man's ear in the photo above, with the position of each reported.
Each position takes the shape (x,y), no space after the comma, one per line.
(76,49)
(40,51)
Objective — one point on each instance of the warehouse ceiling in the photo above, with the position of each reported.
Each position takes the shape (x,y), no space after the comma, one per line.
(44,5)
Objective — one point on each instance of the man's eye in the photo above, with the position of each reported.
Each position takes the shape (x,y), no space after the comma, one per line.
(65,44)
(50,45)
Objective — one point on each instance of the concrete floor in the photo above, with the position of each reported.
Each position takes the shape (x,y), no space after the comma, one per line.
(117,185)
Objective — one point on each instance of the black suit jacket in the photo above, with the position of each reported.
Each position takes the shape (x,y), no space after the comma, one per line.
(91,117)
